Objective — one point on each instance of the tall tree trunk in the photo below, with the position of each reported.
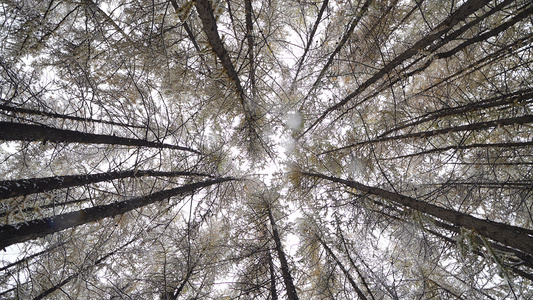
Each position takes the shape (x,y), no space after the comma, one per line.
(361,277)
(273,289)
(22,187)
(205,12)
(250,109)
(308,44)
(512,236)
(75,275)
(61,116)
(250,39)
(285,270)
(343,269)
(17,233)
(445,26)
(469,127)
(518,97)
(10,131)
(341,44)
(27,258)
(464,147)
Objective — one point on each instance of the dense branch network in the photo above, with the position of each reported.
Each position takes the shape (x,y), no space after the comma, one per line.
(266,149)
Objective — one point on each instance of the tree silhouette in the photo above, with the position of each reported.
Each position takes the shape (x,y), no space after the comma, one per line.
(266,149)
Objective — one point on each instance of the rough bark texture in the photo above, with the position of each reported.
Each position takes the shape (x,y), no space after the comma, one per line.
(21,232)
(512,236)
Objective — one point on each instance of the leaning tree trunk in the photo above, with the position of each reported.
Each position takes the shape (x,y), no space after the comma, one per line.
(273,289)
(285,271)
(343,269)
(512,236)
(75,275)
(17,233)
(22,187)
(10,131)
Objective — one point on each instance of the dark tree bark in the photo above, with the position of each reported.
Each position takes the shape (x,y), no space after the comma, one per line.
(190,34)
(22,187)
(512,263)
(509,235)
(26,132)
(205,12)
(361,277)
(285,270)
(343,269)
(250,40)
(251,115)
(518,97)
(61,116)
(464,147)
(21,232)
(75,275)
(341,44)
(445,26)
(273,289)
(185,280)
(469,127)
(309,41)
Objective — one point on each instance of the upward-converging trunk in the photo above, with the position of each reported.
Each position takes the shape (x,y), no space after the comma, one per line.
(10,131)
(343,269)
(468,8)
(22,187)
(17,233)
(512,236)
(285,271)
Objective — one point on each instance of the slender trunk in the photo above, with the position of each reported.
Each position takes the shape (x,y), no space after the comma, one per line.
(505,50)
(205,12)
(495,31)
(340,44)
(27,258)
(190,34)
(344,270)
(309,41)
(26,132)
(285,270)
(250,40)
(17,233)
(363,280)
(517,97)
(445,26)
(512,236)
(464,147)
(75,275)
(469,127)
(512,263)
(273,289)
(60,116)
(183,283)
(22,187)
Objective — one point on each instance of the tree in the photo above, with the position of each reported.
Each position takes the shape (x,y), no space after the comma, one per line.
(266,149)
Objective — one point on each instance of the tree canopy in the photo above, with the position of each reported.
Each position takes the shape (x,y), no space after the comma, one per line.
(266,149)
